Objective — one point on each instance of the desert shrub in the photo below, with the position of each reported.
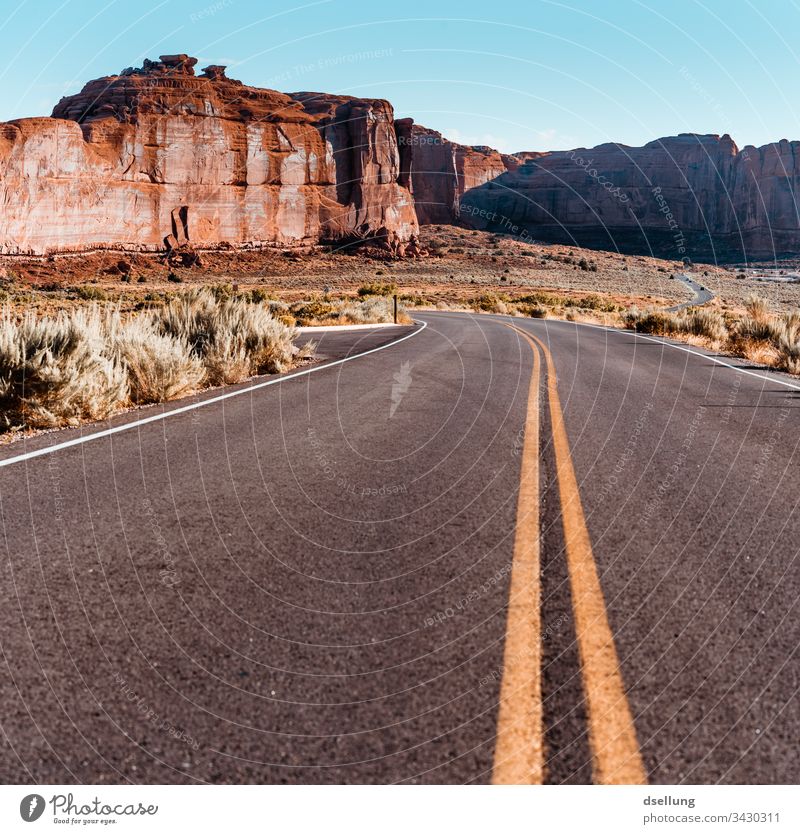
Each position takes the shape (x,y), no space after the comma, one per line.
(57,371)
(258,295)
(649,321)
(492,302)
(787,348)
(701,321)
(308,312)
(159,367)
(593,302)
(234,338)
(374,310)
(174,278)
(535,312)
(90,293)
(757,307)
(377,288)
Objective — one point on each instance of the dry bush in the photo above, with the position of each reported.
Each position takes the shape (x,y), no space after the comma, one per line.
(701,321)
(372,310)
(57,371)
(788,351)
(159,367)
(233,337)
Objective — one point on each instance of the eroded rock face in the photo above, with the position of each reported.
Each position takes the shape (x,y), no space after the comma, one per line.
(159,157)
(442,171)
(695,196)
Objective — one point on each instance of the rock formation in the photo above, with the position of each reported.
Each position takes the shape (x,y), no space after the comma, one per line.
(689,196)
(160,157)
(442,171)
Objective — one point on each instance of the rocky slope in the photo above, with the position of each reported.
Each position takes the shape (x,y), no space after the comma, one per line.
(695,196)
(159,156)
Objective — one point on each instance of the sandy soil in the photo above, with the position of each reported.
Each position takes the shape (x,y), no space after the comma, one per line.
(462,264)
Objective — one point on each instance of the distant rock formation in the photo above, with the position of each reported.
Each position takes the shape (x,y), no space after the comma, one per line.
(443,171)
(689,196)
(158,157)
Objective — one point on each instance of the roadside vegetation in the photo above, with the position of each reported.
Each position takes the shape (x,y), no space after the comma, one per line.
(757,334)
(87,363)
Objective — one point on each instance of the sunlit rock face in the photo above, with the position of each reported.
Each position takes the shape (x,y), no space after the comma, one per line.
(159,156)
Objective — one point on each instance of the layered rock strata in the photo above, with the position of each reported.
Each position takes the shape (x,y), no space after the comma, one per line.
(159,156)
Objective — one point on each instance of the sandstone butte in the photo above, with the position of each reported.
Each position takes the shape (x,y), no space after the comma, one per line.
(159,157)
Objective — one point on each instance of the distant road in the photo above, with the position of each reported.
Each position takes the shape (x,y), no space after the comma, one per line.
(702,295)
(338,578)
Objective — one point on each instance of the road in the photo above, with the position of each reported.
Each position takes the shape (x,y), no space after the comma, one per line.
(702,295)
(501,550)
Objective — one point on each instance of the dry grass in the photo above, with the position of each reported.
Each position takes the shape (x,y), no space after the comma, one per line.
(160,367)
(58,371)
(372,309)
(233,337)
(757,335)
(87,363)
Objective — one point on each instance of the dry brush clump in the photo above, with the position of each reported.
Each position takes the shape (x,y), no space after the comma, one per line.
(701,322)
(87,363)
(58,370)
(160,367)
(367,309)
(758,334)
(233,337)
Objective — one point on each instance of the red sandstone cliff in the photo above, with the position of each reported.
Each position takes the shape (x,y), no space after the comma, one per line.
(691,195)
(160,156)
(442,171)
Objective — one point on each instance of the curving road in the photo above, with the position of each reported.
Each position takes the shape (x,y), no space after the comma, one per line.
(701,294)
(338,578)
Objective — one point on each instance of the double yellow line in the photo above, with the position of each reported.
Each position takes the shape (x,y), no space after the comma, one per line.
(520,748)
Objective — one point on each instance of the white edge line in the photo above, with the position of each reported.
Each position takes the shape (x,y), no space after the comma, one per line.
(765,376)
(77,441)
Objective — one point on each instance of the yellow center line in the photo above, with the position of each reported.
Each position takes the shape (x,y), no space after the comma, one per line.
(519,749)
(616,756)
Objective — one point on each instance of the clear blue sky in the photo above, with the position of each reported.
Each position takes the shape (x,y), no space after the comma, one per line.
(529,75)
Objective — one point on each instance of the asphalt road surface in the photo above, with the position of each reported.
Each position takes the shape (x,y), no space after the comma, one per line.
(499,550)
(702,294)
